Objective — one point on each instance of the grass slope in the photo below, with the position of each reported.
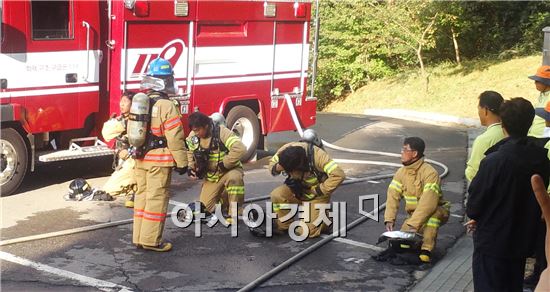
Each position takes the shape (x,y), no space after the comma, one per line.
(452,90)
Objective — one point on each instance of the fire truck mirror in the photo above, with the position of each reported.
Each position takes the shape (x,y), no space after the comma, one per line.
(71,78)
(3,83)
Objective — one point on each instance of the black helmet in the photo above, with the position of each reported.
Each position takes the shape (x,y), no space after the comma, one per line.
(78,189)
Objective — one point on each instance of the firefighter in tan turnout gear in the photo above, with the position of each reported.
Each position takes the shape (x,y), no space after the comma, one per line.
(312,176)
(163,150)
(214,156)
(121,181)
(419,184)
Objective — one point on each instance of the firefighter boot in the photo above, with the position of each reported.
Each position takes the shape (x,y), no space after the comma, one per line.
(425,256)
(162,247)
(129,203)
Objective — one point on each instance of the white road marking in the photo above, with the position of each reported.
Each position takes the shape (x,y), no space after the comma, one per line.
(457,216)
(356,243)
(85,280)
(176,203)
(357,261)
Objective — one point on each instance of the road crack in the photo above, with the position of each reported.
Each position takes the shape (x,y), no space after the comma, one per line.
(120,266)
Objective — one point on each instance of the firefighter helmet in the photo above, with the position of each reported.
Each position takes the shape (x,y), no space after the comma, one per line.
(160,67)
(192,211)
(218,119)
(78,189)
(160,77)
(311,136)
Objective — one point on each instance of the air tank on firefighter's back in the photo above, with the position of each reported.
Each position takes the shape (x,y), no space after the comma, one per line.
(138,120)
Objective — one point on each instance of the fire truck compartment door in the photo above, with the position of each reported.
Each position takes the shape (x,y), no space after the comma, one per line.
(290,53)
(290,59)
(147,40)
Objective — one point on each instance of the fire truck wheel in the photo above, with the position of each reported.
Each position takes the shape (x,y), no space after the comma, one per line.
(13,160)
(243,121)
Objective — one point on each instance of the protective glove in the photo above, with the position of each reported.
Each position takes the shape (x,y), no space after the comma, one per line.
(181,170)
(295,186)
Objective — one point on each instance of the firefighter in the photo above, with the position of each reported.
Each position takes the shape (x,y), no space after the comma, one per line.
(121,181)
(214,155)
(163,150)
(312,176)
(419,184)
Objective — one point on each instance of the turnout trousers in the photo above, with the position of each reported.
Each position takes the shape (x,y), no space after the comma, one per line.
(430,228)
(151,204)
(284,200)
(229,188)
(122,180)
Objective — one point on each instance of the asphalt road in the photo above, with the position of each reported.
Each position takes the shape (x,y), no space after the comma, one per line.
(97,260)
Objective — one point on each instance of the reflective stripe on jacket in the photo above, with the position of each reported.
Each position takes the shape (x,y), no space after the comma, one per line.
(166,122)
(231,159)
(419,185)
(323,164)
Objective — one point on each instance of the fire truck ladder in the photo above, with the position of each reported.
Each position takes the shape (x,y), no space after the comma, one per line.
(76,151)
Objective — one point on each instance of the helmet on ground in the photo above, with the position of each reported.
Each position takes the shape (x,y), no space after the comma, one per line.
(78,189)
(195,208)
(160,67)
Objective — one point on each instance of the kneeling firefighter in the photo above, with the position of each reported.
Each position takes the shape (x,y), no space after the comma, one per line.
(214,155)
(155,131)
(122,180)
(312,176)
(419,184)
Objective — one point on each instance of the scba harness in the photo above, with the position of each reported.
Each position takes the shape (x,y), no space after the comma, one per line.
(151,141)
(297,185)
(202,155)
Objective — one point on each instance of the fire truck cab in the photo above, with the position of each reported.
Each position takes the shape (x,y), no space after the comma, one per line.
(65,64)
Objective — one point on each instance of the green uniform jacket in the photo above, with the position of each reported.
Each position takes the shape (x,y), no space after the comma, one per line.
(419,184)
(537,128)
(490,137)
(323,163)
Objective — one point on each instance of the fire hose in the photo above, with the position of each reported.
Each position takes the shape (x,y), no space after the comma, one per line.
(250,286)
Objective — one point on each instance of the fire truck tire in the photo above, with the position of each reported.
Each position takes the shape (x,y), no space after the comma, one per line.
(13,161)
(245,123)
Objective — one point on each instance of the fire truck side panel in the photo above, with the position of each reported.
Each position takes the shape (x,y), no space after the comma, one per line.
(237,57)
(249,10)
(52,72)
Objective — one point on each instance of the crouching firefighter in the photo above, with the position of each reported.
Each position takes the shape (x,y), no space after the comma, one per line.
(214,155)
(419,184)
(121,181)
(155,132)
(312,176)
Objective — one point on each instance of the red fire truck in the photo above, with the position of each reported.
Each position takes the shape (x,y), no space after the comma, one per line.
(65,63)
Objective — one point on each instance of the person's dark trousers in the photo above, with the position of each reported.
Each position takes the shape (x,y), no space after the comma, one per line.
(540,256)
(497,274)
